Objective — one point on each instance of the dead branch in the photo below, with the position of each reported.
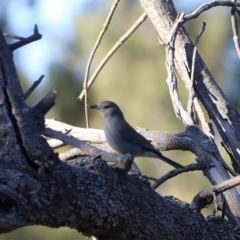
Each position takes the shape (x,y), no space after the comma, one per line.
(33,87)
(225,117)
(175,172)
(24,41)
(205,197)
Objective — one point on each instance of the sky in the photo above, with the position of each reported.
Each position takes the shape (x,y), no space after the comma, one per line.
(54,19)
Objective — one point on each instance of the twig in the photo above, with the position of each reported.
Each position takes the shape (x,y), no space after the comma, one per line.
(182,18)
(33,87)
(86,108)
(7,35)
(235,30)
(36,36)
(104,29)
(205,197)
(172,85)
(206,6)
(174,29)
(175,172)
(186,116)
(140,20)
(191,90)
(172,76)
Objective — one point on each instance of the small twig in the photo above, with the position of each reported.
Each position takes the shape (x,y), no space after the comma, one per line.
(172,85)
(191,90)
(195,50)
(235,29)
(175,172)
(7,35)
(36,36)
(33,87)
(174,30)
(140,20)
(206,6)
(104,29)
(86,108)
(182,18)
(205,197)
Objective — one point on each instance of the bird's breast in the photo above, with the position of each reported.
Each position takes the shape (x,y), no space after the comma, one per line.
(116,139)
(113,136)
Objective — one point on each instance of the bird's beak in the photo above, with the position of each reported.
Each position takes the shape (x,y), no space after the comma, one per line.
(94,107)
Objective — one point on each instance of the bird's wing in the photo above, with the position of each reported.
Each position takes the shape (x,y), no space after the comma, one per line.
(129,134)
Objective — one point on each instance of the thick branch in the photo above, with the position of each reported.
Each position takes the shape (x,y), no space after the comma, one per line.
(27,123)
(163,14)
(227,120)
(98,207)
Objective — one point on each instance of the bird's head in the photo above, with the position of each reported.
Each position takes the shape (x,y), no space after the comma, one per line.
(108,109)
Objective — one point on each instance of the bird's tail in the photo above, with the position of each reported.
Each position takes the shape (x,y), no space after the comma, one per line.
(167,160)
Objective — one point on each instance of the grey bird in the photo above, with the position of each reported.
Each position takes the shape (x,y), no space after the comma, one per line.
(123,138)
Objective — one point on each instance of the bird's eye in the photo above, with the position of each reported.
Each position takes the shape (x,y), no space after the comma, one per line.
(106,106)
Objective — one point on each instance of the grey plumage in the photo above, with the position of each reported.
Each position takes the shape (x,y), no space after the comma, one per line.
(123,138)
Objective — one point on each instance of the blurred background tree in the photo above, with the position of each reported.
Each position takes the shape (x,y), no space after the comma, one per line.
(134,77)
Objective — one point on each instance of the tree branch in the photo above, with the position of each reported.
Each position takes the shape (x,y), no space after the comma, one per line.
(227,120)
(24,41)
(205,197)
(175,172)
(33,87)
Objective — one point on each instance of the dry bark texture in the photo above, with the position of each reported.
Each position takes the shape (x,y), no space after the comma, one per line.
(36,187)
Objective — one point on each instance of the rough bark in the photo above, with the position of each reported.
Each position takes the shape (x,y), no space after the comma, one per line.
(227,120)
(88,195)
